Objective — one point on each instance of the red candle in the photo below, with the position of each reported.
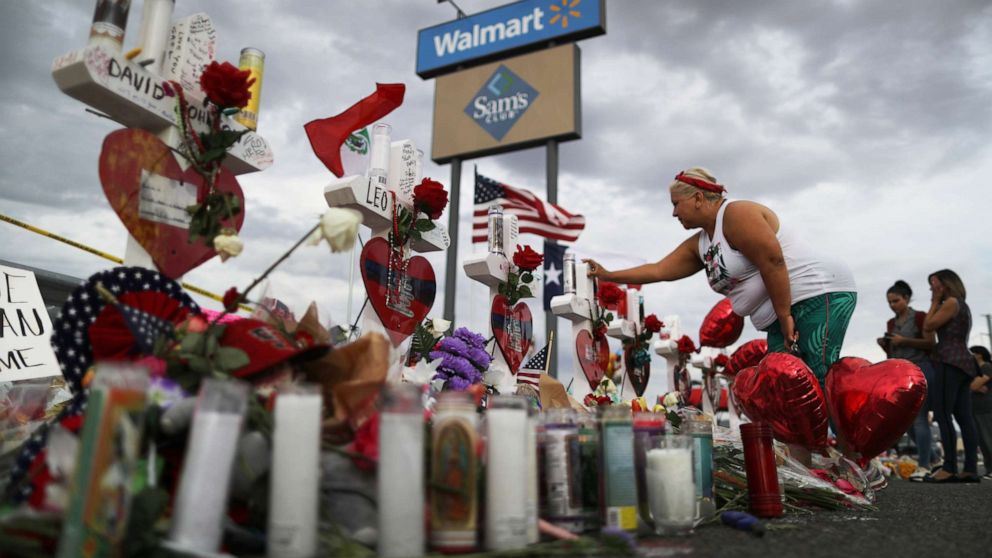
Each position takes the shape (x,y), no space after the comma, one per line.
(762,476)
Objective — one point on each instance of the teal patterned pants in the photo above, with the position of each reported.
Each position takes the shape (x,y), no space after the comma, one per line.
(821,322)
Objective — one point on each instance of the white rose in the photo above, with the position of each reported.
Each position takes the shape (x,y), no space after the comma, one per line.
(339,227)
(440,325)
(671,400)
(228,245)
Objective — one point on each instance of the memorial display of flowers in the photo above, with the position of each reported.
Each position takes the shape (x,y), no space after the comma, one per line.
(520,276)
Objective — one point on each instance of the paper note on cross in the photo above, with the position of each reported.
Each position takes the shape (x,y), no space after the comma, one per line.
(512,327)
(136,93)
(578,305)
(400,286)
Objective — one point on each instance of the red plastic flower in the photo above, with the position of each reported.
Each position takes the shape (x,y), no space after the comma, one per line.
(527,259)
(721,360)
(610,294)
(225,85)
(429,197)
(686,345)
(653,324)
(366,443)
(231,299)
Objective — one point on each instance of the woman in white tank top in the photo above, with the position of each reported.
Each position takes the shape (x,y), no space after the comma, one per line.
(803,302)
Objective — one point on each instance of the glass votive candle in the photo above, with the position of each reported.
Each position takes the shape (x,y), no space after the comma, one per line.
(671,487)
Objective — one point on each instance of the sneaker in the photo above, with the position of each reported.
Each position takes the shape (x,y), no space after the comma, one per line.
(919,475)
(987,476)
(876,479)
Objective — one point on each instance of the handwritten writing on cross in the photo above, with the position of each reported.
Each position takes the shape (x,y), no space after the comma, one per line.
(134,94)
(491,269)
(578,308)
(625,327)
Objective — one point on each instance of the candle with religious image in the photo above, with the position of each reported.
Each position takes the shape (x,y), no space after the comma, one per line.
(203,486)
(400,478)
(568,273)
(109,23)
(253,60)
(495,229)
(454,498)
(563,495)
(506,472)
(295,479)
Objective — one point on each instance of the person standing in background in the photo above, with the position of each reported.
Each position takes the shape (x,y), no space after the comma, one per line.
(981,405)
(904,339)
(950,318)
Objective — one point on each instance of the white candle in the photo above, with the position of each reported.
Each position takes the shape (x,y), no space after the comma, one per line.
(671,491)
(533,482)
(401,484)
(506,473)
(294,484)
(202,497)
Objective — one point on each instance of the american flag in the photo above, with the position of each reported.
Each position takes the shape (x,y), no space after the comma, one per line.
(534,215)
(530,372)
(145,328)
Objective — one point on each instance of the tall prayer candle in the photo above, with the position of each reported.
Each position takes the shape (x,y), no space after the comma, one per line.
(202,497)
(109,23)
(294,485)
(533,480)
(568,273)
(506,472)
(400,479)
(563,495)
(495,217)
(379,153)
(671,490)
(619,488)
(454,473)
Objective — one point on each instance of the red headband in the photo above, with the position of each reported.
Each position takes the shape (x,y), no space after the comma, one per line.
(700,183)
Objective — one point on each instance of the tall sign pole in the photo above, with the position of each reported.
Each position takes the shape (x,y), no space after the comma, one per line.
(550,319)
(451,267)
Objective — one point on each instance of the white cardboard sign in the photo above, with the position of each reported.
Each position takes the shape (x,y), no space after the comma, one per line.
(25,328)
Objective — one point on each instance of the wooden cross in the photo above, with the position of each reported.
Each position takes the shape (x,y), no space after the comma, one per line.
(134,94)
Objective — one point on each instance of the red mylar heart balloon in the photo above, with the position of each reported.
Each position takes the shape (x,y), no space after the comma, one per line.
(721,327)
(593,356)
(413,290)
(149,191)
(874,404)
(747,355)
(783,392)
(513,330)
(639,374)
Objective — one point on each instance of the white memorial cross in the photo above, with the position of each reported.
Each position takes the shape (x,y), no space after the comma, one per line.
(394,171)
(577,305)
(491,269)
(667,346)
(133,94)
(625,328)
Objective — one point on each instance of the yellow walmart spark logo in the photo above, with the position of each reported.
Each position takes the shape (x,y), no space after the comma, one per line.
(565,11)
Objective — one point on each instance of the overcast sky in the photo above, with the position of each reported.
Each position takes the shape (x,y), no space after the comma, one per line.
(864,125)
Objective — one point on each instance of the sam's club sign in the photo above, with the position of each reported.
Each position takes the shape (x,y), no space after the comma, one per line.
(509,29)
(503,99)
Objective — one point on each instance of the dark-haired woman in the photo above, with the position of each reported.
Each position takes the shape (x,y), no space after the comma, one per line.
(904,339)
(950,318)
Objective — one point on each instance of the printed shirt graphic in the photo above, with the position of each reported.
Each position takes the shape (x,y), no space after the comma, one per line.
(716,271)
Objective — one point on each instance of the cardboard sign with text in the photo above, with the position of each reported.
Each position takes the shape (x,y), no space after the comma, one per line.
(25,328)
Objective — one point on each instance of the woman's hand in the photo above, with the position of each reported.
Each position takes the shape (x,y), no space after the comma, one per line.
(897,340)
(789,332)
(596,270)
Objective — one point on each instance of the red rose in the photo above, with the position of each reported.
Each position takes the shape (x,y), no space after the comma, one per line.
(653,324)
(721,361)
(225,85)
(599,332)
(686,345)
(610,294)
(367,444)
(527,259)
(429,197)
(231,298)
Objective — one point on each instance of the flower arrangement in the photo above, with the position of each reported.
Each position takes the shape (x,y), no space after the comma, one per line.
(429,201)
(521,275)
(606,393)
(227,90)
(463,358)
(639,344)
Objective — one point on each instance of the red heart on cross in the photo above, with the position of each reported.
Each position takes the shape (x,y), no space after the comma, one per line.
(149,191)
(513,329)
(593,356)
(874,404)
(639,374)
(413,293)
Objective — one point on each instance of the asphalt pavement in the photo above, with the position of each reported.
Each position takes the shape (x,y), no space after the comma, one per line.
(914,520)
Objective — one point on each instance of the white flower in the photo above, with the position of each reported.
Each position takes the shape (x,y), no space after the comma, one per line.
(422,372)
(440,325)
(502,379)
(671,400)
(339,227)
(228,245)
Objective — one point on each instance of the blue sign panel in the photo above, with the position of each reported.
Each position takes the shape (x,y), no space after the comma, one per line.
(514,28)
(503,99)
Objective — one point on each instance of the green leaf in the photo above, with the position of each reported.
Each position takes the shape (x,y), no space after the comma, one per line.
(609,317)
(192,343)
(524,292)
(526,277)
(424,225)
(212,344)
(198,364)
(229,358)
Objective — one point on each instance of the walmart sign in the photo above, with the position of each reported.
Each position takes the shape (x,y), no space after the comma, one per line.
(510,29)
